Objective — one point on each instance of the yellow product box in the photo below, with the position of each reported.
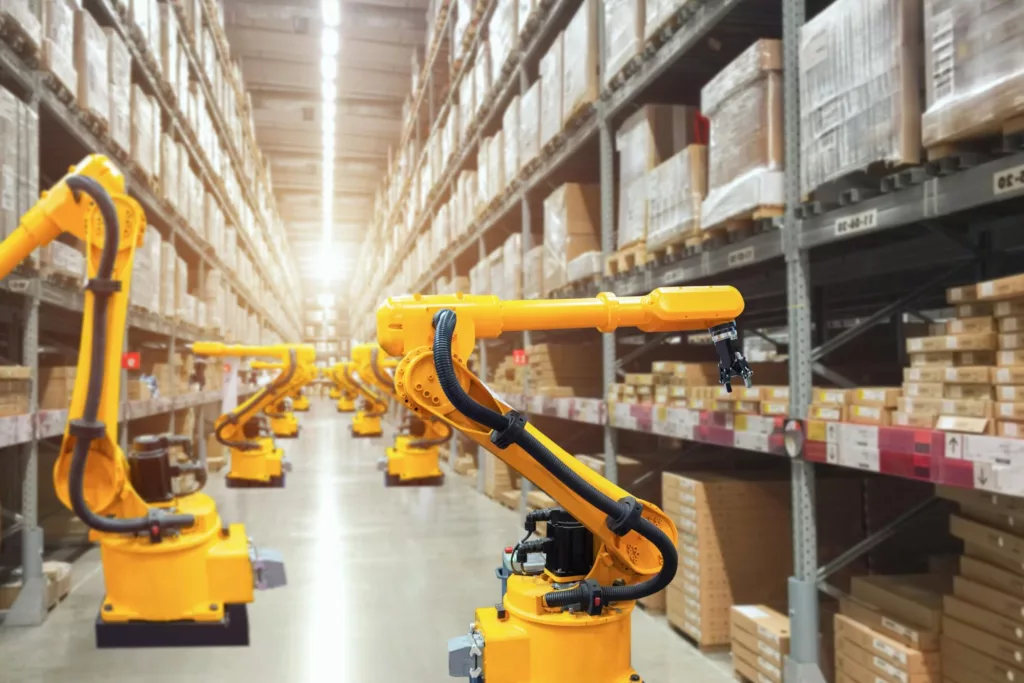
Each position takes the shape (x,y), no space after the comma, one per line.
(971,325)
(830,396)
(923,390)
(830,412)
(919,420)
(640,379)
(869,415)
(817,430)
(971,391)
(878,397)
(775,393)
(775,408)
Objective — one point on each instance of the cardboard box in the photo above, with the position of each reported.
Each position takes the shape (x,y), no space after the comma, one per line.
(923,389)
(960,342)
(976,325)
(996,540)
(580,79)
(962,663)
(904,658)
(1011,341)
(764,669)
(1011,324)
(91,56)
(1006,309)
(56,385)
(1004,288)
(941,359)
(827,412)
(989,598)
(972,358)
(973,392)
(1010,411)
(768,627)
(914,598)
(966,425)
(983,619)
(878,397)
(880,668)
(920,420)
(571,228)
(1010,375)
(992,576)
(831,396)
(976,309)
(951,407)
(869,415)
(58,49)
(962,294)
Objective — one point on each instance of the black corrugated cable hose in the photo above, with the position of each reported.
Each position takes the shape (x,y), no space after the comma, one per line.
(444,324)
(88,427)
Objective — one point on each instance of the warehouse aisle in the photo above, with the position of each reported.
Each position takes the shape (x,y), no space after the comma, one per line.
(378,580)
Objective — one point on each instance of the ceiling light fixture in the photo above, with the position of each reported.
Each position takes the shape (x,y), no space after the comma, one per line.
(330,11)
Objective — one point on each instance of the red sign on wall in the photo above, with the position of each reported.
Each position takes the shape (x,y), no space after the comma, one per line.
(519,356)
(131,360)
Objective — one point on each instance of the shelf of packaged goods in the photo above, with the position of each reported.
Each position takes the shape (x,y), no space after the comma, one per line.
(188,139)
(18,429)
(988,463)
(439,34)
(924,195)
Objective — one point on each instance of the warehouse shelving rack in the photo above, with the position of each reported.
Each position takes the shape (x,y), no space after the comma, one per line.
(949,220)
(41,312)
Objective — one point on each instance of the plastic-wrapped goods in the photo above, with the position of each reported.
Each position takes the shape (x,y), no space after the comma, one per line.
(480,277)
(450,137)
(550,79)
(860,99)
(676,189)
(483,173)
(481,77)
(180,286)
(230,253)
(141,15)
(146,269)
(496,271)
(523,12)
(974,72)
(202,315)
(624,33)
(187,309)
(463,14)
(529,124)
(169,171)
(572,226)
(467,103)
(28,160)
(510,125)
(22,13)
(743,104)
(658,12)
(91,64)
(119,72)
(63,259)
(644,140)
(58,53)
(143,144)
(502,31)
(169,49)
(439,234)
(580,62)
(213,219)
(214,299)
(512,265)
(9,216)
(533,273)
(496,161)
(586,265)
(168,264)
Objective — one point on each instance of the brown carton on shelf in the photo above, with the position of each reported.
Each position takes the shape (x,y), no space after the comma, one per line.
(1007,309)
(1006,651)
(961,295)
(907,659)
(965,425)
(869,415)
(974,392)
(922,420)
(977,325)
(924,389)
(981,618)
(769,627)
(745,156)
(745,659)
(882,669)
(580,80)
(979,374)
(1004,288)
(964,664)
(91,64)
(900,630)
(572,220)
(975,309)
(983,341)
(926,359)
(55,387)
(916,598)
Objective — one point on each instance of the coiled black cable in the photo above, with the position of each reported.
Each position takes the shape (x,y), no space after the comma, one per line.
(444,327)
(88,427)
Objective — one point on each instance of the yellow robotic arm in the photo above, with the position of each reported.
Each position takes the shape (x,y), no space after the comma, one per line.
(345,391)
(256,461)
(375,404)
(604,549)
(174,574)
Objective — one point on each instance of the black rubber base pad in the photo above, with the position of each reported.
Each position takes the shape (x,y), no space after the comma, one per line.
(287,436)
(391,480)
(366,436)
(236,483)
(232,631)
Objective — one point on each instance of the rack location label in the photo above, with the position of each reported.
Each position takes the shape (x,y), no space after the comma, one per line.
(1010,180)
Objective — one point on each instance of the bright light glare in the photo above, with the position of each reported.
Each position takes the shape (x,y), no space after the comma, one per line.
(325,300)
(330,42)
(328,91)
(328,68)
(331,12)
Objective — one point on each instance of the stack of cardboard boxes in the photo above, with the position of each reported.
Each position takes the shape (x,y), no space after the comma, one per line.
(14,388)
(55,387)
(759,638)
(983,627)
(734,548)
(864,405)
(564,370)
(572,224)
(889,629)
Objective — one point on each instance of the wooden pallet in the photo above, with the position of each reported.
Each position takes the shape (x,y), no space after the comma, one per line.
(627,259)
(679,246)
(13,34)
(1002,137)
(742,226)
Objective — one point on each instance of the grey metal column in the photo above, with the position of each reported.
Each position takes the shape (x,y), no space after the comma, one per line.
(527,244)
(802,665)
(172,355)
(29,608)
(607,158)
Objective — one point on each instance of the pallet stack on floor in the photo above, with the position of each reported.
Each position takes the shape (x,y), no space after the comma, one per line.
(759,641)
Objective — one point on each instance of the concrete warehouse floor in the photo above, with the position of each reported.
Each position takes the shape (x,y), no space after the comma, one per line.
(378,580)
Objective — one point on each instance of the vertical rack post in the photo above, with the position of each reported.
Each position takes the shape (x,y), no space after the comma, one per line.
(526,245)
(802,665)
(29,608)
(172,351)
(607,178)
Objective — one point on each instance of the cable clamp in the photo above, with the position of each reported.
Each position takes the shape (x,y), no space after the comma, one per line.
(593,602)
(85,429)
(630,511)
(516,425)
(103,286)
